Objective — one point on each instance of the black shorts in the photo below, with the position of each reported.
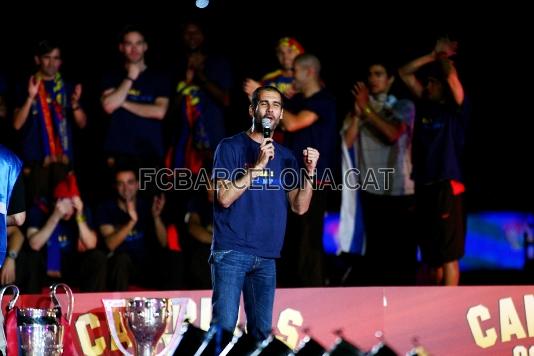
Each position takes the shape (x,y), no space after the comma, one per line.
(440,223)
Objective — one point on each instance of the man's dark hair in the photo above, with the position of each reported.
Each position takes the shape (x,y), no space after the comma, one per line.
(435,70)
(45,47)
(129,29)
(391,70)
(258,91)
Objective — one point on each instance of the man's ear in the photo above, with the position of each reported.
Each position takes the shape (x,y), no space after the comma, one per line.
(37,60)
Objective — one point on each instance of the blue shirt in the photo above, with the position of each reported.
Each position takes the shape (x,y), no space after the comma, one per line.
(255,223)
(32,145)
(128,133)
(438,142)
(135,243)
(321,135)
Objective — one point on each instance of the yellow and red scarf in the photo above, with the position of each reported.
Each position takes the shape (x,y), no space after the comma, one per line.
(50,109)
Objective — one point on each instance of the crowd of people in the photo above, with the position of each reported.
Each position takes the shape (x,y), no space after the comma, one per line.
(154,238)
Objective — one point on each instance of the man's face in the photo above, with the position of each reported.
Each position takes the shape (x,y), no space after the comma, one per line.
(270,107)
(193,37)
(286,55)
(133,47)
(301,74)
(127,185)
(378,79)
(49,63)
(69,208)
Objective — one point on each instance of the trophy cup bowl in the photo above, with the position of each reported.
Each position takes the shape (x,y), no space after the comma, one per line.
(147,320)
(41,332)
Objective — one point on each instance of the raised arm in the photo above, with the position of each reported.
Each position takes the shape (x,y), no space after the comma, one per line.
(21,114)
(444,49)
(299,199)
(114,237)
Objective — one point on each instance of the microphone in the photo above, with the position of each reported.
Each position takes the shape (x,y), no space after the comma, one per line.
(266,124)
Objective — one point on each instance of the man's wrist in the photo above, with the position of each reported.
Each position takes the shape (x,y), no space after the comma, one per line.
(12,254)
(129,78)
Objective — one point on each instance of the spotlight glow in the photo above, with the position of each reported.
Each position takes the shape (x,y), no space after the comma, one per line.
(202,3)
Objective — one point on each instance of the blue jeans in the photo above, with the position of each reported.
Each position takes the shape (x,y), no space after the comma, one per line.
(233,272)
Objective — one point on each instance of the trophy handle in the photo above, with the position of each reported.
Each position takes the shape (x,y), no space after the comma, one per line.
(177,335)
(108,305)
(56,302)
(11,305)
(13,300)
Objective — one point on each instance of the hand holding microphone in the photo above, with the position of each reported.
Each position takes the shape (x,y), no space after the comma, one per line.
(267,140)
(266,125)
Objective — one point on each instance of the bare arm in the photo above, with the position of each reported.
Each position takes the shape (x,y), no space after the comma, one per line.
(350,129)
(199,232)
(155,111)
(87,235)
(294,122)
(444,48)
(299,199)
(454,82)
(407,73)
(351,125)
(16,219)
(391,130)
(79,114)
(160,228)
(21,114)
(228,192)
(15,239)
(113,238)
(38,237)
(113,98)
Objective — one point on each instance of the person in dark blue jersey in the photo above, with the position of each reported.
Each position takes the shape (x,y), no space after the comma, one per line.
(257,181)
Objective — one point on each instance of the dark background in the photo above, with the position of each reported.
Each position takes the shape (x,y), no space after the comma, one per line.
(493,61)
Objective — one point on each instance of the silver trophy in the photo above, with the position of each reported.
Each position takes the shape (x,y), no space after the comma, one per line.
(146,319)
(41,330)
(9,307)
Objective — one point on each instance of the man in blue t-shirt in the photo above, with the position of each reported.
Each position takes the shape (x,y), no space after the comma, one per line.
(133,233)
(438,148)
(257,180)
(137,98)
(46,106)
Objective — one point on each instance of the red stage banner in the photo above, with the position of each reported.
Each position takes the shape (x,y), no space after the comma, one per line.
(446,320)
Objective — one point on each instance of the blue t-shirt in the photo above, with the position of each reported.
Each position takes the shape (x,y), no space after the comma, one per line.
(438,141)
(31,145)
(128,133)
(256,222)
(135,243)
(321,135)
